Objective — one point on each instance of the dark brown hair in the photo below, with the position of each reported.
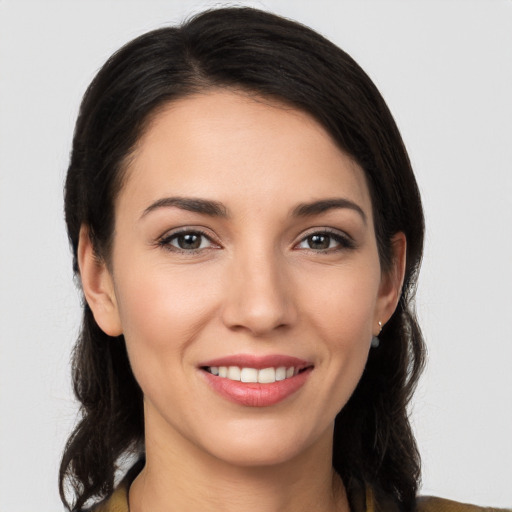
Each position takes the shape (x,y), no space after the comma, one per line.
(272,57)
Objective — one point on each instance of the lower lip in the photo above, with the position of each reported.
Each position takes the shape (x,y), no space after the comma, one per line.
(253,394)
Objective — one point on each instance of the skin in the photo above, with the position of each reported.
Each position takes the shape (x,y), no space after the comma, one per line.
(254,286)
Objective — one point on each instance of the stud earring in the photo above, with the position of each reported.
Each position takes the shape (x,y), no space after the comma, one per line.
(375,340)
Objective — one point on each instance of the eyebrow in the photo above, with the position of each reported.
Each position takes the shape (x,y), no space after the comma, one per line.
(204,206)
(216,209)
(324,205)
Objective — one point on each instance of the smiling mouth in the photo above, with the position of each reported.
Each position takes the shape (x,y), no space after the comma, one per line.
(255,375)
(256,381)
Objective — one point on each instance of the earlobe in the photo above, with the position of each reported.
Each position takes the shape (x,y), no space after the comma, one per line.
(98,286)
(391,282)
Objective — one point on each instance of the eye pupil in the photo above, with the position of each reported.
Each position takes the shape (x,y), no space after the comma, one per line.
(319,241)
(189,241)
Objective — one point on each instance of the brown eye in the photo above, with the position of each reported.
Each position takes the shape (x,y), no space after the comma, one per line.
(319,241)
(326,241)
(186,241)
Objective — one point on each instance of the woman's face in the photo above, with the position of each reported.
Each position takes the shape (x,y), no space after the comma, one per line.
(244,250)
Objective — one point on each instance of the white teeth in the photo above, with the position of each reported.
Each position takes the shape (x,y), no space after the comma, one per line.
(267,375)
(263,376)
(281,373)
(234,373)
(249,375)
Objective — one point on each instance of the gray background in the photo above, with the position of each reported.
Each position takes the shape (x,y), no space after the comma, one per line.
(445,68)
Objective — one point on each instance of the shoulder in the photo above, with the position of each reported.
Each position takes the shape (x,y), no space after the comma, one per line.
(431,504)
(118,502)
(368,499)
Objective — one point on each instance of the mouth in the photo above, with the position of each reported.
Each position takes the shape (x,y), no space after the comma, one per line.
(254,375)
(256,381)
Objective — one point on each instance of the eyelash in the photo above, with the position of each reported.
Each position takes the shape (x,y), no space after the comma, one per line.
(344,241)
(165,241)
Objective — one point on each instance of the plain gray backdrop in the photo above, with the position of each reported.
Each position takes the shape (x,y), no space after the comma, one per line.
(445,69)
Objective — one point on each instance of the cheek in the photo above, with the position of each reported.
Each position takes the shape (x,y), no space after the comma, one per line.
(341,304)
(162,312)
(339,310)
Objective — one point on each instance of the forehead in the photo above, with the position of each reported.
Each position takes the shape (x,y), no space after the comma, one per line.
(234,146)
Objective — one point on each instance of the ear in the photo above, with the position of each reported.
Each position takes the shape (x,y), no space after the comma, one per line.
(391,283)
(98,286)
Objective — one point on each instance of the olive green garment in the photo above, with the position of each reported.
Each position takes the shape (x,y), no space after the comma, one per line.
(362,499)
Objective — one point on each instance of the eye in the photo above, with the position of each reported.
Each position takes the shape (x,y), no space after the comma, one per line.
(186,241)
(325,241)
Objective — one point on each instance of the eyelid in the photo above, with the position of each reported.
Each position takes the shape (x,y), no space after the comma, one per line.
(165,239)
(344,240)
(347,241)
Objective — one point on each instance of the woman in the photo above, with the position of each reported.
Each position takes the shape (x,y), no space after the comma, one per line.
(248,231)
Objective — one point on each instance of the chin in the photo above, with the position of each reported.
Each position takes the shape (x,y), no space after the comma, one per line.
(263,447)
(250,456)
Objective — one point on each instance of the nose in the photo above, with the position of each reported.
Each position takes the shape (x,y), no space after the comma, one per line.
(259,298)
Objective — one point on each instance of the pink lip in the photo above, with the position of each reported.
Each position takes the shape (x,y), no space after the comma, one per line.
(255,394)
(258,362)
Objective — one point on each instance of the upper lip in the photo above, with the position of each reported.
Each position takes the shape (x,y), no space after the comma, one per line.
(258,362)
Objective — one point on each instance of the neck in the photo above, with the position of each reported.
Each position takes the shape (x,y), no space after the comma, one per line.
(179,477)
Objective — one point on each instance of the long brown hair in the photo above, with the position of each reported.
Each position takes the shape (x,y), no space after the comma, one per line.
(270,56)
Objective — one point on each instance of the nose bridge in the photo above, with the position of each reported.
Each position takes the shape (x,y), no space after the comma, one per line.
(258,297)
